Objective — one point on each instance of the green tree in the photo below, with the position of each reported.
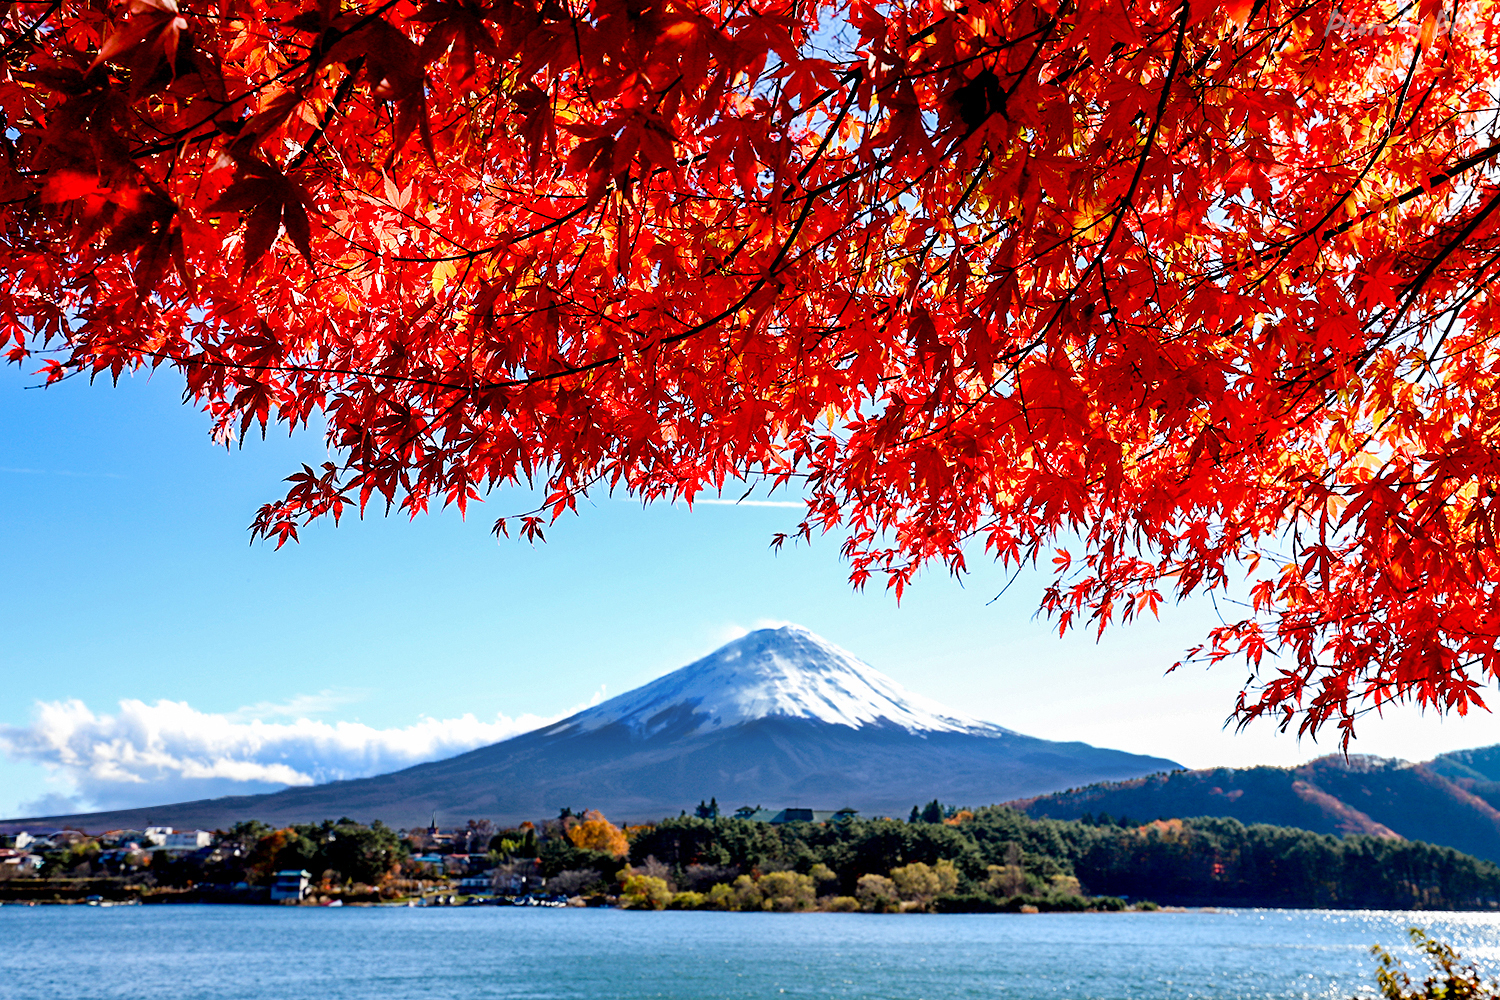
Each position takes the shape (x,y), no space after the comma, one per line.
(517,843)
(360,853)
(824,877)
(558,855)
(247,833)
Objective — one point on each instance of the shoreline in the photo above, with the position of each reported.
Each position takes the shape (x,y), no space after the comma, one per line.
(578,904)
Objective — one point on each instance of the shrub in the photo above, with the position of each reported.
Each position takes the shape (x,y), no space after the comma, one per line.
(921,883)
(644,892)
(1064,903)
(687,901)
(1004,880)
(976,902)
(702,878)
(747,895)
(574,881)
(1448,980)
(721,897)
(786,891)
(877,894)
(841,904)
(1064,885)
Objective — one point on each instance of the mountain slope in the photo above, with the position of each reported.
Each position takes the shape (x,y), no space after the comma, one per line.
(1368,795)
(779,717)
(1482,763)
(1475,771)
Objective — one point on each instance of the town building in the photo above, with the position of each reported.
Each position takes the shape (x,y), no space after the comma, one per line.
(796,814)
(122,838)
(15,862)
(290,885)
(187,840)
(517,878)
(475,885)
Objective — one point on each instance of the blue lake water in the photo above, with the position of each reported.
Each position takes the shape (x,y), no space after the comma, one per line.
(260,953)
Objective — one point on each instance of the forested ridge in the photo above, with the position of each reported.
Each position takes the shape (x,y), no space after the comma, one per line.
(999,854)
(941,859)
(1442,801)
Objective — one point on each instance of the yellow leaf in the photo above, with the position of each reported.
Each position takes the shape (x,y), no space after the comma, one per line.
(442,272)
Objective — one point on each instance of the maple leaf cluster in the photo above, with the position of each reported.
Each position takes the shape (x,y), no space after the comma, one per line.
(1200,289)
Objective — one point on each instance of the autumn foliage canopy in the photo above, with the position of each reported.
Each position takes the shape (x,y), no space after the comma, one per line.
(593,832)
(1178,295)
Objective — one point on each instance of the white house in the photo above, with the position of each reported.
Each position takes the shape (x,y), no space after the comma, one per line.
(14,862)
(156,836)
(187,840)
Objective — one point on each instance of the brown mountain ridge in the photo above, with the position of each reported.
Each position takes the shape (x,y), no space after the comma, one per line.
(1450,800)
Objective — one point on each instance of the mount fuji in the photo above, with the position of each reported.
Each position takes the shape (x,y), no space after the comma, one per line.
(779,717)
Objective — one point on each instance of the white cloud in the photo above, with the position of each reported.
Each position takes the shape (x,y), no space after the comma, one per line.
(168,752)
(51,804)
(298,706)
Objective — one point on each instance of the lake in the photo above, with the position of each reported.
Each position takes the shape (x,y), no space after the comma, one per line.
(260,953)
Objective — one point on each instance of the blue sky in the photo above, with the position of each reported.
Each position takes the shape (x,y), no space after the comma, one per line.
(129,578)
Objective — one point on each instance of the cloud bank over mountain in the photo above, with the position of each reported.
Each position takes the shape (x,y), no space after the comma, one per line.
(169,751)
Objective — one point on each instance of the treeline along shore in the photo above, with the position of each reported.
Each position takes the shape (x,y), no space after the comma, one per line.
(993,859)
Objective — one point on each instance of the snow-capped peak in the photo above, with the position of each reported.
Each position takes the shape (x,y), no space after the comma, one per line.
(787,672)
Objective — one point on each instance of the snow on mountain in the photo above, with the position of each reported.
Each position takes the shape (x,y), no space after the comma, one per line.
(779,716)
(786,672)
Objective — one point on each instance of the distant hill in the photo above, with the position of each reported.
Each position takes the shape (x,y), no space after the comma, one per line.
(777,718)
(1448,801)
(1476,771)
